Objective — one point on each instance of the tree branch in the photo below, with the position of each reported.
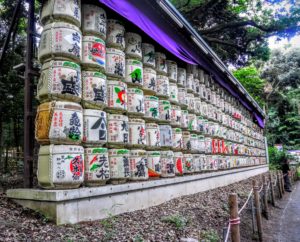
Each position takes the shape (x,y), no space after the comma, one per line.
(222,42)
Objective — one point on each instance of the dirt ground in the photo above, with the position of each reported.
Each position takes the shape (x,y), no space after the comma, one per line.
(200,216)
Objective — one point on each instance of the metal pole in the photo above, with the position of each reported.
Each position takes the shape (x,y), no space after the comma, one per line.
(13,22)
(234,218)
(28,97)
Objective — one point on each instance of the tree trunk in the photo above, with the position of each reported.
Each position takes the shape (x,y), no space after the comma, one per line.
(1,142)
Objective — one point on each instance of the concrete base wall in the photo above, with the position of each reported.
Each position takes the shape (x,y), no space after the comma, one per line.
(87,204)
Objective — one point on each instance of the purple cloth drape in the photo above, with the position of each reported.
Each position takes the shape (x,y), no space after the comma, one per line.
(144,14)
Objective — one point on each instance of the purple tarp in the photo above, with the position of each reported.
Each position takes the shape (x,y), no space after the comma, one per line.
(144,14)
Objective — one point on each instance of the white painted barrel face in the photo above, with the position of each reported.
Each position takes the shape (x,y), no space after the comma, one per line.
(188,163)
(190,82)
(178,161)
(96,166)
(149,80)
(197,102)
(119,164)
(176,116)
(186,137)
(60,79)
(184,119)
(115,37)
(152,135)
(190,102)
(94,127)
(137,132)
(59,40)
(118,132)
(167,163)
(94,20)
(181,77)
(172,70)
(117,95)
(173,93)
(93,53)
(133,45)
(165,110)
(59,123)
(151,108)
(148,55)
(134,72)
(177,139)
(135,102)
(94,94)
(153,161)
(165,136)
(182,97)
(163,86)
(161,63)
(115,63)
(197,162)
(138,165)
(192,124)
(61,10)
(194,142)
(60,166)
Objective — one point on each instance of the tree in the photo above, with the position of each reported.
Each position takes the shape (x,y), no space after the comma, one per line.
(238,30)
(249,77)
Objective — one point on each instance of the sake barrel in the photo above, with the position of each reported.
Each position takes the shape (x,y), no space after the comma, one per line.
(208,146)
(61,10)
(59,40)
(177,139)
(94,20)
(117,96)
(175,116)
(192,125)
(60,166)
(148,51)
(115,36)
(167,163)
(154,166)
(196,87)
(94,53)
(135,102)
(188,164)
(181,77)
(118,132)
(94,127)
(115,63)
(96,166)
(152,136)
(149,81)
(172,70)
(190,82)
(173,93)
(119,164)
(138,165)
(197,162)
(151,108)
(94,94)
(190,102)
(203,94)
(194,143)
(134,72)
(59,122)
(133,45)
(182,97)
(200,124)
(197,102)
(161,63)
(165,136)
(163,87)
(186,138)
(164,111)
(178,161)
(203,164)
(137,133)
(201,143)
(184,119)
(59,80)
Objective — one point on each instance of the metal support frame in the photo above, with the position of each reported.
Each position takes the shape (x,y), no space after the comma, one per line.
(28,99)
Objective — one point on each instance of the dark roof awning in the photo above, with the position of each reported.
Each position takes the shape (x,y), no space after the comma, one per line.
(164,24)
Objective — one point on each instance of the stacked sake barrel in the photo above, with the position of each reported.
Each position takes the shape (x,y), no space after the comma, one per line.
(112,108)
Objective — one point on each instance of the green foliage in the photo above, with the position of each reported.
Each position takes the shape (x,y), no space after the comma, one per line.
(210,235)
(238,30)
(249,77)
(277,158)
(179,221)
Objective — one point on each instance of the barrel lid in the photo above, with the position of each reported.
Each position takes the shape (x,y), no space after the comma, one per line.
(135,90)
(90,73)
(60,149)
(61,25)
(60,63)
(154,98)
(93,112)
(93,38)
(153,153)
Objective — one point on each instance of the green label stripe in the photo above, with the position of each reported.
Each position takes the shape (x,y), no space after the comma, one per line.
(99,150)
(155,153)
(152,98)
(99,74)
(122,152)
(135,62)
(71,64)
